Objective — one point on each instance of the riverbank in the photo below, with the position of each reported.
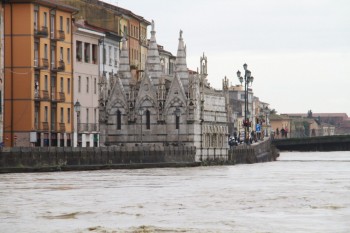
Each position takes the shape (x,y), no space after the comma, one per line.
(55,159)
(95,167)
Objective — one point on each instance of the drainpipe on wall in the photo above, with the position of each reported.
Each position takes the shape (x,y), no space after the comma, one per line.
(12,137)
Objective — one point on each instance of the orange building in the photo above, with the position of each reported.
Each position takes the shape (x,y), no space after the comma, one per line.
(38,102)
(119,20)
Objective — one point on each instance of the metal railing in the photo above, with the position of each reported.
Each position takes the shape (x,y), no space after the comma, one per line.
(62,127)
(87,127)
(45,126)
(43,32)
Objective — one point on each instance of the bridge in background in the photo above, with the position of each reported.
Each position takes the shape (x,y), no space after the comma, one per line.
(325,143)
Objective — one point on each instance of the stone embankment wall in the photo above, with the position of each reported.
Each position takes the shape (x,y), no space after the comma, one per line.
(19,159)
(257,152)
(40,159)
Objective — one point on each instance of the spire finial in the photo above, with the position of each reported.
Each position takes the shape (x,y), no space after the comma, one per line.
(152,25)
(180,34)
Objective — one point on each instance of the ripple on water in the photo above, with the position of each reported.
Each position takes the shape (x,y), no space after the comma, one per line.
(140,229)
(73,215)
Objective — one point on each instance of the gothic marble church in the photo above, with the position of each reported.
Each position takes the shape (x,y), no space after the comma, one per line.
(164,110)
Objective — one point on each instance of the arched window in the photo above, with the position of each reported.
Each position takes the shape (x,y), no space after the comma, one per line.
(177,121)
(148,119)
(119,120)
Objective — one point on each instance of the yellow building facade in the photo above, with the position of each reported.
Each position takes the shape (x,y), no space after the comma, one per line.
(38,73)
(121,21)
(279,122)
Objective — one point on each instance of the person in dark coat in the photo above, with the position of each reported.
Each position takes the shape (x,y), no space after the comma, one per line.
(283,133)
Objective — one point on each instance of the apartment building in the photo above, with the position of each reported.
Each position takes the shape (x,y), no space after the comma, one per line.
(86,42)
(38,73)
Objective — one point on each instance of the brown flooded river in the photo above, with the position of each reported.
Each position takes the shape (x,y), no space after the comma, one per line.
(301,192)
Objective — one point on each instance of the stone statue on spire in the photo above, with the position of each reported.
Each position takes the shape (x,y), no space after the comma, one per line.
(152,25)
(180,34)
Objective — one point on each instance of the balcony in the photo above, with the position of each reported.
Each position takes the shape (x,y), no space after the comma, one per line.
(58,96)
(41,64)
(59,35)
(88,127)
(41,95)
(62,127)
(44,63)
(94,127)
(42,32)
(61,66)
(58,68)
(83,127)
(62,96)
(45,126)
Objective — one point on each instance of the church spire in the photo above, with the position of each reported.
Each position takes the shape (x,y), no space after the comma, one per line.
(124,68)
(181,64)
(153,67)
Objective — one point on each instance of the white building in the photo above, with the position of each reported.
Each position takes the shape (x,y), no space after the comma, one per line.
(86,78)
(109,63)
(236,100)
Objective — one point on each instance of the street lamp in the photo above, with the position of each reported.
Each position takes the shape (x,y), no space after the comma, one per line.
(266,111)
(141,111)
(177,113)
(77,110)
(247,79)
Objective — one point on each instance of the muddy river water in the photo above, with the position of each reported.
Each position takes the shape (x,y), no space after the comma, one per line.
(301,192)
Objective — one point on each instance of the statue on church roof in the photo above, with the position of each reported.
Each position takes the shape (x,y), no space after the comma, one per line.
(152,25)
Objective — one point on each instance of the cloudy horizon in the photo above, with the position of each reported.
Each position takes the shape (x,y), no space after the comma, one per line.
(297,51)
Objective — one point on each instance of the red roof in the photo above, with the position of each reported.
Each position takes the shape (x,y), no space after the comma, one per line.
(315,114)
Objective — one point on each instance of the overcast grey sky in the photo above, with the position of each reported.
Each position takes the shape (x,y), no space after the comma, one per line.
(297,50)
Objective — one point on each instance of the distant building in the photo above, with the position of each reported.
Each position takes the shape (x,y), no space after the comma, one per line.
(280,123)
(340,121)
(299,126)
(327,129)
(167,61)
(38,76)
(236,113)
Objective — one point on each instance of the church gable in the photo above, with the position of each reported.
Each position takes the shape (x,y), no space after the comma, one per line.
(176,94)
(146,92)
(117,98)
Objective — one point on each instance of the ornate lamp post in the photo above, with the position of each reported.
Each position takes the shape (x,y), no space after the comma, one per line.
(247,79)
(177,113)
(266,111)
(77,107)
(141,111)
